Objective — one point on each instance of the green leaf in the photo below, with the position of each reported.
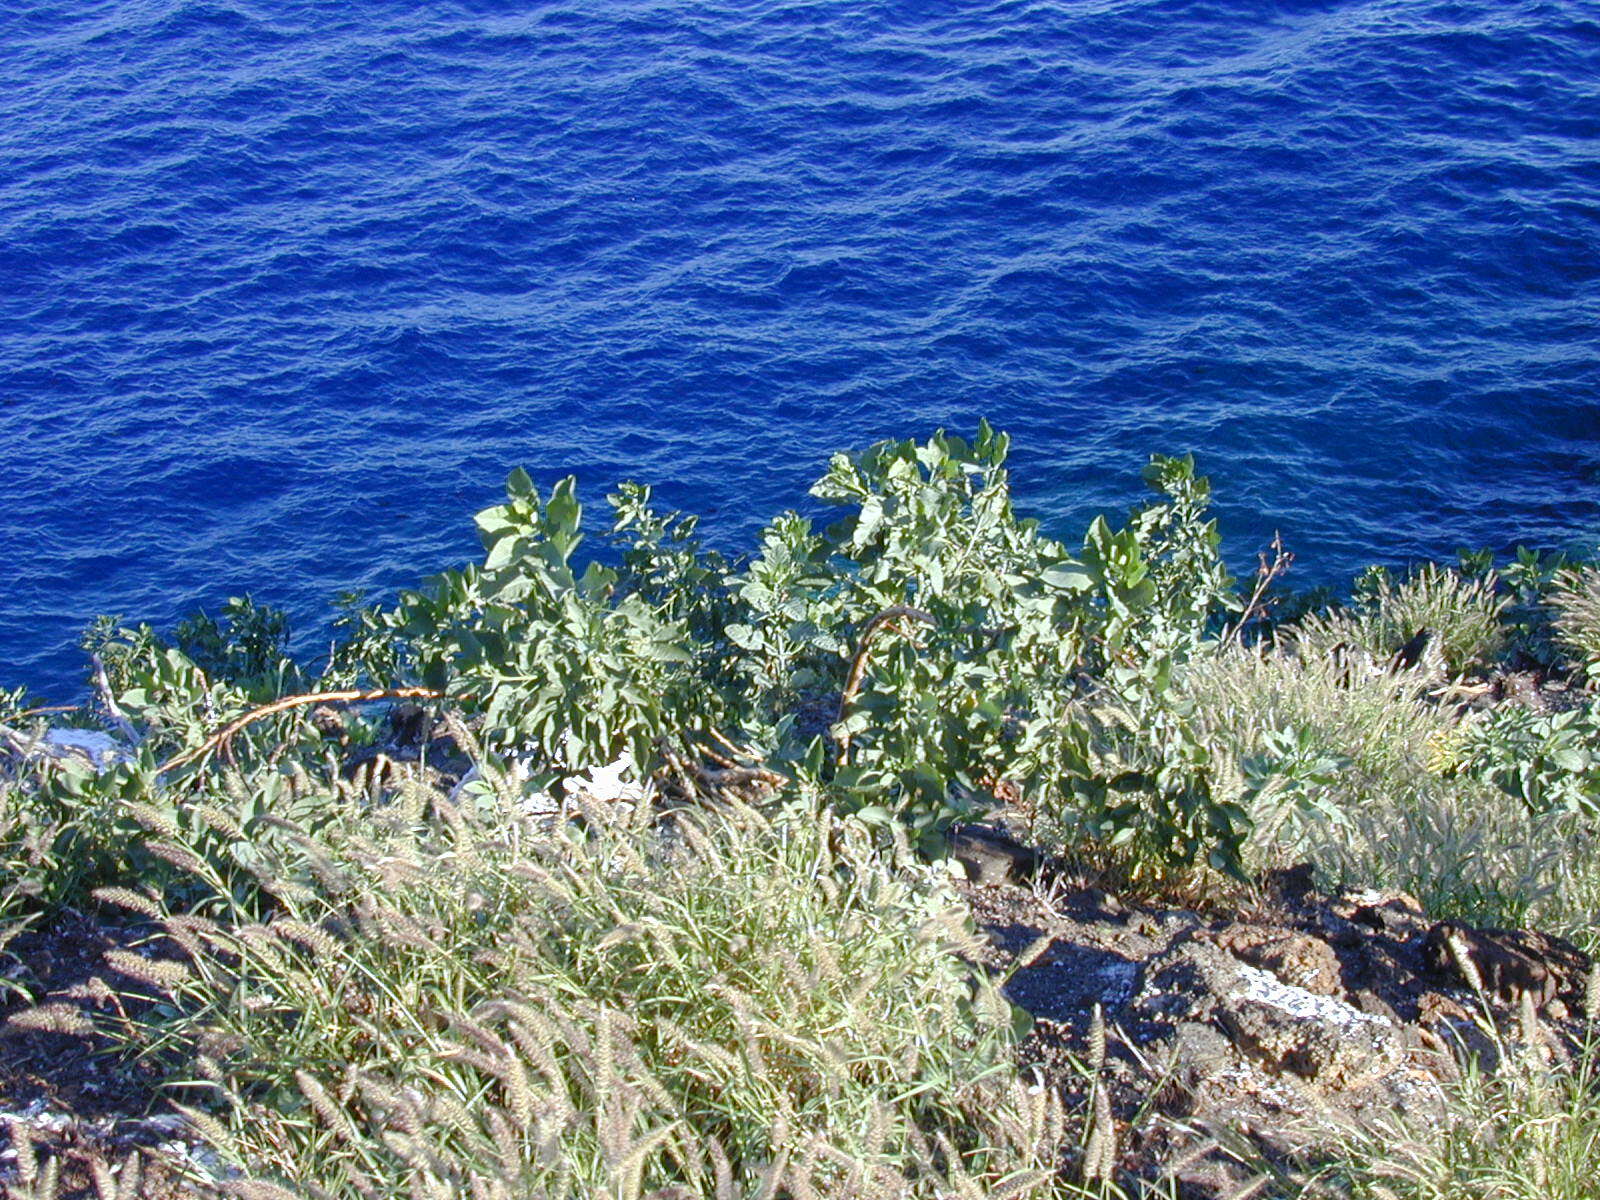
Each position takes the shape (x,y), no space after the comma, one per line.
(562,509)
(744,636)
(1072,578)
(868,523)
(519,486)
(874,814)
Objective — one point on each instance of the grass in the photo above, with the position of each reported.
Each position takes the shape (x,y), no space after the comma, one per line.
(1576,604)
(749,1003)
(1380,813)
(1463,616)
(1528,1131)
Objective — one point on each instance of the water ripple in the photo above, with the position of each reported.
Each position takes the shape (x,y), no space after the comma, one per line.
(288,288)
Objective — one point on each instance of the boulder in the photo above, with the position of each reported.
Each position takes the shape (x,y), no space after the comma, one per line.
(1507,962)
(1280,1027)
(991,857)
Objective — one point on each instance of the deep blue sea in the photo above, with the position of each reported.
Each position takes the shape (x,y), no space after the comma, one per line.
(287,287)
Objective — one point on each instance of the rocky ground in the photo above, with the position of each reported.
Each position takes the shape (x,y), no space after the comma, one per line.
(1279,1021)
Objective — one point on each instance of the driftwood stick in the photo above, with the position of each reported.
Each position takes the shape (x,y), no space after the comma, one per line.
(284,703)
(102,685)
(858,666)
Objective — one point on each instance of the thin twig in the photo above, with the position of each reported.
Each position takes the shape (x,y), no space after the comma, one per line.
(20,743)
(1266,572)
(348,696)
(721,739)
(858,666)
(728,771)
(722,760)
(48,708)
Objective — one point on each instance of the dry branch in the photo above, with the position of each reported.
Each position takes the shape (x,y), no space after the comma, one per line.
(48,708)
(1266,571)
(108,699)
(347,696)
(858,666)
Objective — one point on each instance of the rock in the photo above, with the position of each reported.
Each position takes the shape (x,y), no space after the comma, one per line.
(1201,1052)
(1104,902)
(1295,958)
(1368,1001)
(1397,913)
(1281,1027)
(1507,965)
(613,783)
(410,724)
(1341,931)
(99,751)
(1318,1038)
(991,857)
(1293,885)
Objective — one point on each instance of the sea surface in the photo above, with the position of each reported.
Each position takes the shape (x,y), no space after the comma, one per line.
(287,287)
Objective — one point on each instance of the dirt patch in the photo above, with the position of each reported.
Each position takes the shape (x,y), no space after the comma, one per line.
(68,1105)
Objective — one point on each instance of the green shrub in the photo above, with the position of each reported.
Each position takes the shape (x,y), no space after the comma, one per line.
(1549,761)
(924,643)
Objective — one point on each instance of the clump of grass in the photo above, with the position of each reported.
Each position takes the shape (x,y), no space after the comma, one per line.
(1381,724)
(1463,616)
(1528,1131)
(1377,810)
(745,1005)
(1576,603)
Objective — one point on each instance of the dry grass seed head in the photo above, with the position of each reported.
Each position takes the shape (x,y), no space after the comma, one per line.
(55,1017)
(179,856)
(220,820)
(163,974)
(136,902)
(257,1189)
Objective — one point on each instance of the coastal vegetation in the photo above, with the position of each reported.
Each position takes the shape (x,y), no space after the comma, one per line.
(631,874)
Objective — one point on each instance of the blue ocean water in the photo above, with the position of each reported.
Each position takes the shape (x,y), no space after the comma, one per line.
(286,287)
